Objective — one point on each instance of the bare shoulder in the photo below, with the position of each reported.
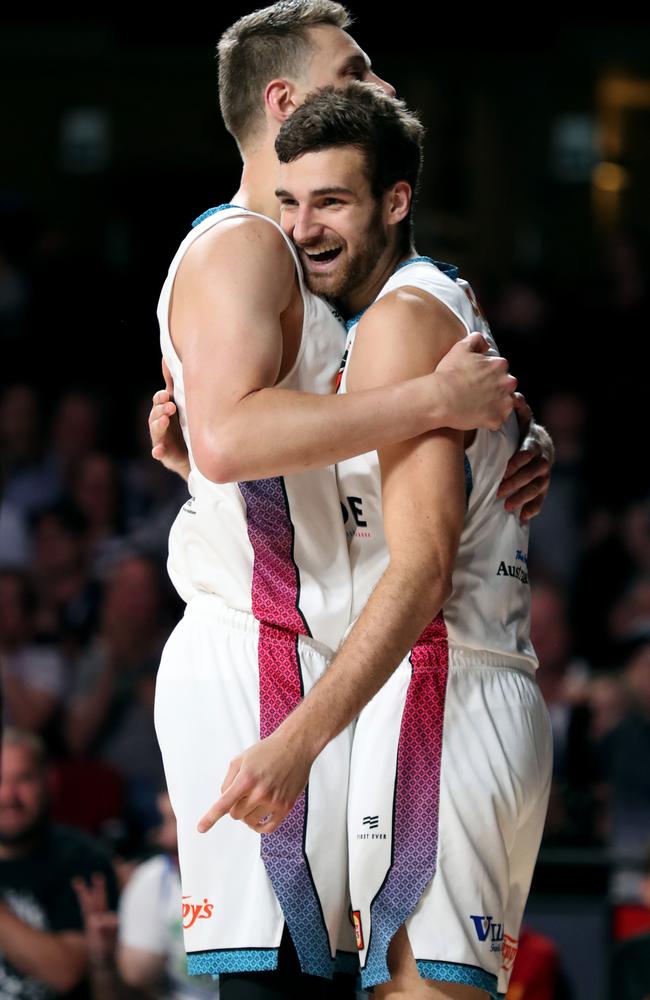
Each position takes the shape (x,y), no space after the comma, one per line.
(413,313)
(247,246)
(402,335)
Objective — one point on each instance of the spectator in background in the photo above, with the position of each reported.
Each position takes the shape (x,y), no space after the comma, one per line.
(631,965)
(42,947)
(151,953)
(556,541)
(110,710)
(33,676)
(31,481)
(624,753)
(67,597)
(96,491)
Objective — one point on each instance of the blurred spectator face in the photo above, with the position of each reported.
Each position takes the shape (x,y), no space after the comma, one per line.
(14,617)
(637,676)
(550,631)
(56,548)
(23,794)
(132,598)
(166,832)
(19,423)
(608,704)
(564,417)
(95,490)
(75,427)
(636,534)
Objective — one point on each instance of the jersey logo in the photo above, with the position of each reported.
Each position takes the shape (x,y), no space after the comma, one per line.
(358,929)
(191,912)
(372,822)
(486,929)
(509,952)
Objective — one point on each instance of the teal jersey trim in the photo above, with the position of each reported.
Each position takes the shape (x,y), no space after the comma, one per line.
(211,211)
(232,960)
(466,975)
(449,269)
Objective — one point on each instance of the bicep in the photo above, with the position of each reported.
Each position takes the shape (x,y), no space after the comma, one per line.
(227,309)
(423,482)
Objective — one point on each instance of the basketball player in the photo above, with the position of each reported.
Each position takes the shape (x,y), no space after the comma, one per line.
(451,760)
(263,563)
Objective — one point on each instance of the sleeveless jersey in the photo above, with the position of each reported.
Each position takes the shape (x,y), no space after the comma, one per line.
(275,547)
(489,609)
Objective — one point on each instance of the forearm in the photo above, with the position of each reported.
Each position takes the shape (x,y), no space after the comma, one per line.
(399,609)
(275,432)
(41,955)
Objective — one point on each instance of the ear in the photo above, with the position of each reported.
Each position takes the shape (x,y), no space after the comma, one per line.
(398,202)
(280,100)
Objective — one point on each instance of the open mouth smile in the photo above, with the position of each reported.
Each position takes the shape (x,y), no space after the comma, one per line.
(323,257)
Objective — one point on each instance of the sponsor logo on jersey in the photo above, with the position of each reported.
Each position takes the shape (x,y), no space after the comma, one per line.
(509,952)
(371,822)
(353,508)
(192,912)
(189,506)
(518,570)
(358,929)
(487,930)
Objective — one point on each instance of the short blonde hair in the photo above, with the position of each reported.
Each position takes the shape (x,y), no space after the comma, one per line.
(272,42)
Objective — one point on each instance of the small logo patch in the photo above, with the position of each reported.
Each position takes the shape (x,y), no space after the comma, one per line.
(358,929)
(372,822)
(509,952)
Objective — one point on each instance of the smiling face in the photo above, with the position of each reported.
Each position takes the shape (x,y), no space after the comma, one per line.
(328,210)
(23,795)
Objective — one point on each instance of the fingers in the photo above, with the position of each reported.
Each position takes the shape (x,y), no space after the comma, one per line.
(238,789)
(532,452)
(529,469)
(533,491)
(477,343)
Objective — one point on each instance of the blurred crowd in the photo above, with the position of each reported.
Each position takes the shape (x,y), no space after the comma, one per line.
(86,606)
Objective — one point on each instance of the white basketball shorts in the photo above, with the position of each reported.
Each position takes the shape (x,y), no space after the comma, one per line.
(224,679)
(449,783)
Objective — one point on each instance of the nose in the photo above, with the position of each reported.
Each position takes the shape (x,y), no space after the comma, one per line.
(305,226)
(384,84)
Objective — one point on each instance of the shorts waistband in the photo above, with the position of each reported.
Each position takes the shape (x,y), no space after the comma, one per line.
(464,656)
(213,608)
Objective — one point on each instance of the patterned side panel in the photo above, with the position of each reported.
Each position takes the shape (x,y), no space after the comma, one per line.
(452,972)
(200,963)
(276,591)
(417,793)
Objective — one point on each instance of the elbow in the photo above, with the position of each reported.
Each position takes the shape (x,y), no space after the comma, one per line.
(218,460)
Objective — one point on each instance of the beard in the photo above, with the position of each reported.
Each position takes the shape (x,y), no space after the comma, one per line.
(18,836)
(357,267)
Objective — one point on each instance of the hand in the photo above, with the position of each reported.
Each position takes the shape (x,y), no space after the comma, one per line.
(478,390)
(264,781)
(100,923)
(168,445)
(528,474)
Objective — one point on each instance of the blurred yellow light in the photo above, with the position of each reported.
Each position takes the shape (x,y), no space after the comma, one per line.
(609,177)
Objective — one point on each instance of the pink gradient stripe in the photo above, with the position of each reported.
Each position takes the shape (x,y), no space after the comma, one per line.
(417,795)
(275,596)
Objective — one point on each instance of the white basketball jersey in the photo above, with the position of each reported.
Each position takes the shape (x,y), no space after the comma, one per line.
(489,609)
(275,547)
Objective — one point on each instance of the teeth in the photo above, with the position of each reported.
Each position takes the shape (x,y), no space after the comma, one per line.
(318,253)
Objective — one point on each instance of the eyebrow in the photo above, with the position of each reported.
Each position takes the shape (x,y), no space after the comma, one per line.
(317,193)
(356,60)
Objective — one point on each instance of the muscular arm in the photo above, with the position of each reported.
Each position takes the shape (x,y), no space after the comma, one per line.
(231,291)
(423,498)
(56,959)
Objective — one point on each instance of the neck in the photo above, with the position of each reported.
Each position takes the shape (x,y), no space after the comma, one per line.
(365,293)
(9,852)
(258,182)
